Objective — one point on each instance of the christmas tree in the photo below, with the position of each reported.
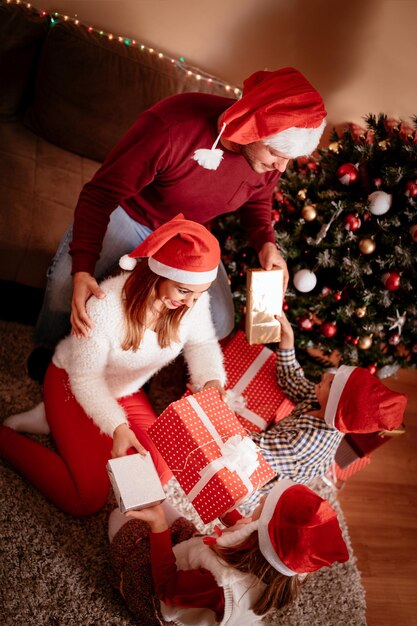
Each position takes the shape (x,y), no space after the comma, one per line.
(346,222)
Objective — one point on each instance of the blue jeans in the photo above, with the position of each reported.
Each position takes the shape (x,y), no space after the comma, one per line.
(122,236)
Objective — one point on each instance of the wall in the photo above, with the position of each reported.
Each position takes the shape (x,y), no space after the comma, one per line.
(361,54)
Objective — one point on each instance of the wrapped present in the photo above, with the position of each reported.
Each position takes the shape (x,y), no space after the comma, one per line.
(264,295)
(209,452)
(135,482)
(252,389)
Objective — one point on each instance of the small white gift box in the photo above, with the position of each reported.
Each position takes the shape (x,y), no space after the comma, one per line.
(135,482)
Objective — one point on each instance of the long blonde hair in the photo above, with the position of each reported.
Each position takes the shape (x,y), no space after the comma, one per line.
(246,556)
(139,292)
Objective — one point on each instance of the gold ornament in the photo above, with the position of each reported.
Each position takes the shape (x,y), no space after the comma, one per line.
(365,342)
(413,232)
(383,144)
(334,147)
(360,311)
(302,194)
(309,212)
(367,246)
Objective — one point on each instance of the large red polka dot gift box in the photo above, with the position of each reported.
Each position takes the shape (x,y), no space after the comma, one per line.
(209,452)
(252,387)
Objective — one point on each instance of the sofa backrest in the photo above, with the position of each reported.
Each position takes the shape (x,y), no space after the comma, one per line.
(89,88)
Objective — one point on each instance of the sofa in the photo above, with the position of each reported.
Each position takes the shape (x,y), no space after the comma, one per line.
(68,93)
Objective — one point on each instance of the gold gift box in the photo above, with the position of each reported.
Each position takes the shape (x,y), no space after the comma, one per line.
(264,296)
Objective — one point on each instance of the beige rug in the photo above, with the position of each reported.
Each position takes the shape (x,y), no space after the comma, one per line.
(54,569)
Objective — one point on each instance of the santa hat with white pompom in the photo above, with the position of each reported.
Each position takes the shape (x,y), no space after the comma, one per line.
(280,108)
(181,250)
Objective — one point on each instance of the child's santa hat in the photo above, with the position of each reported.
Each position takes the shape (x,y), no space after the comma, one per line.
(359,403)
(298,531)
(181,250)
(271,103)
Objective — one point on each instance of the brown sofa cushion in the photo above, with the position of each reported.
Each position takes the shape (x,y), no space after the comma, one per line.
(91,89)
(39,184)
(22,32)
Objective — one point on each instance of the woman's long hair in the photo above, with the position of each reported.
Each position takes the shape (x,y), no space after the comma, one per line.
(139,293)
(246,556)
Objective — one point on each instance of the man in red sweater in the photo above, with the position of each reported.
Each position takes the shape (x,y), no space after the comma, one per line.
(163,165)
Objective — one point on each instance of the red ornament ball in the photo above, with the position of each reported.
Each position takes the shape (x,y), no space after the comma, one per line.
(391,281)
(411,189)
(329,329)
(352,222)
(305,323)
(275,216)
(372,368)
(347,173)
(377,182)
(337,296)
(394,339)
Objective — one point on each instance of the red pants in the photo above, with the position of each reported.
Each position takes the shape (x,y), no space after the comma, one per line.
(75,478)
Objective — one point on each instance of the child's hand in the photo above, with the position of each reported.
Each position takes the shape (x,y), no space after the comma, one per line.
(287,333)
(153,515)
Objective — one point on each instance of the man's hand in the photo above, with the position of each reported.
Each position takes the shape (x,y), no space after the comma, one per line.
(269,257)
(287,333)
(153,515)
(123,440)
(84,286)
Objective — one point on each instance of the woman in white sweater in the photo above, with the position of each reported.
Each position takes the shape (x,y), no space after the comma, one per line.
(94,405)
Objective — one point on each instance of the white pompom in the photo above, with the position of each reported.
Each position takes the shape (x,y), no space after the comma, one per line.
(209,159)
(380,202)
(126,262)
(304,281)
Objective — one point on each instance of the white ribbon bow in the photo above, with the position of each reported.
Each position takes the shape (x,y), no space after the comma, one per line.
(239,454)
(237,402)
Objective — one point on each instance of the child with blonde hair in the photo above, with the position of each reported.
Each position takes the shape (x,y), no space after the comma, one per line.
(232,577)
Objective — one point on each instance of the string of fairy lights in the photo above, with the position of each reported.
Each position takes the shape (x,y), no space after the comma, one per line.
(179,62)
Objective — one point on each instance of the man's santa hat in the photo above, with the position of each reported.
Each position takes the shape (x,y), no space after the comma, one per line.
(298,531)
(359,403)
(271,103)
(181,250)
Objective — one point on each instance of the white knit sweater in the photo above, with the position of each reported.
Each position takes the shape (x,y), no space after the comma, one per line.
(100,371)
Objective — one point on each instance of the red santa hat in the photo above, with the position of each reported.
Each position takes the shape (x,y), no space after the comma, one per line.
(271,103)
(298,531)
(359,403)
(181,250)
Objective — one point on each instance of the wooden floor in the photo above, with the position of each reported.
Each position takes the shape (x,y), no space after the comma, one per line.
(380,505)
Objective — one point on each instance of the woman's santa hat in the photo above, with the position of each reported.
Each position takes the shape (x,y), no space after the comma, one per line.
(181,250)
(271,103)
(359,403)
(298,531)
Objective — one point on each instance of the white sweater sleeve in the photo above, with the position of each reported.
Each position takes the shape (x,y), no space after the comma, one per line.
(86,369)
(202,351)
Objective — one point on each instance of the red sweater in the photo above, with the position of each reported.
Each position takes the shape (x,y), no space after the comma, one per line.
(152,175)
(186,588)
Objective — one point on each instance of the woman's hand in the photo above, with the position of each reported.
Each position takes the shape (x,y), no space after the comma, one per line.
(287,333)
(123,440)
(217,385)
(153,515)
